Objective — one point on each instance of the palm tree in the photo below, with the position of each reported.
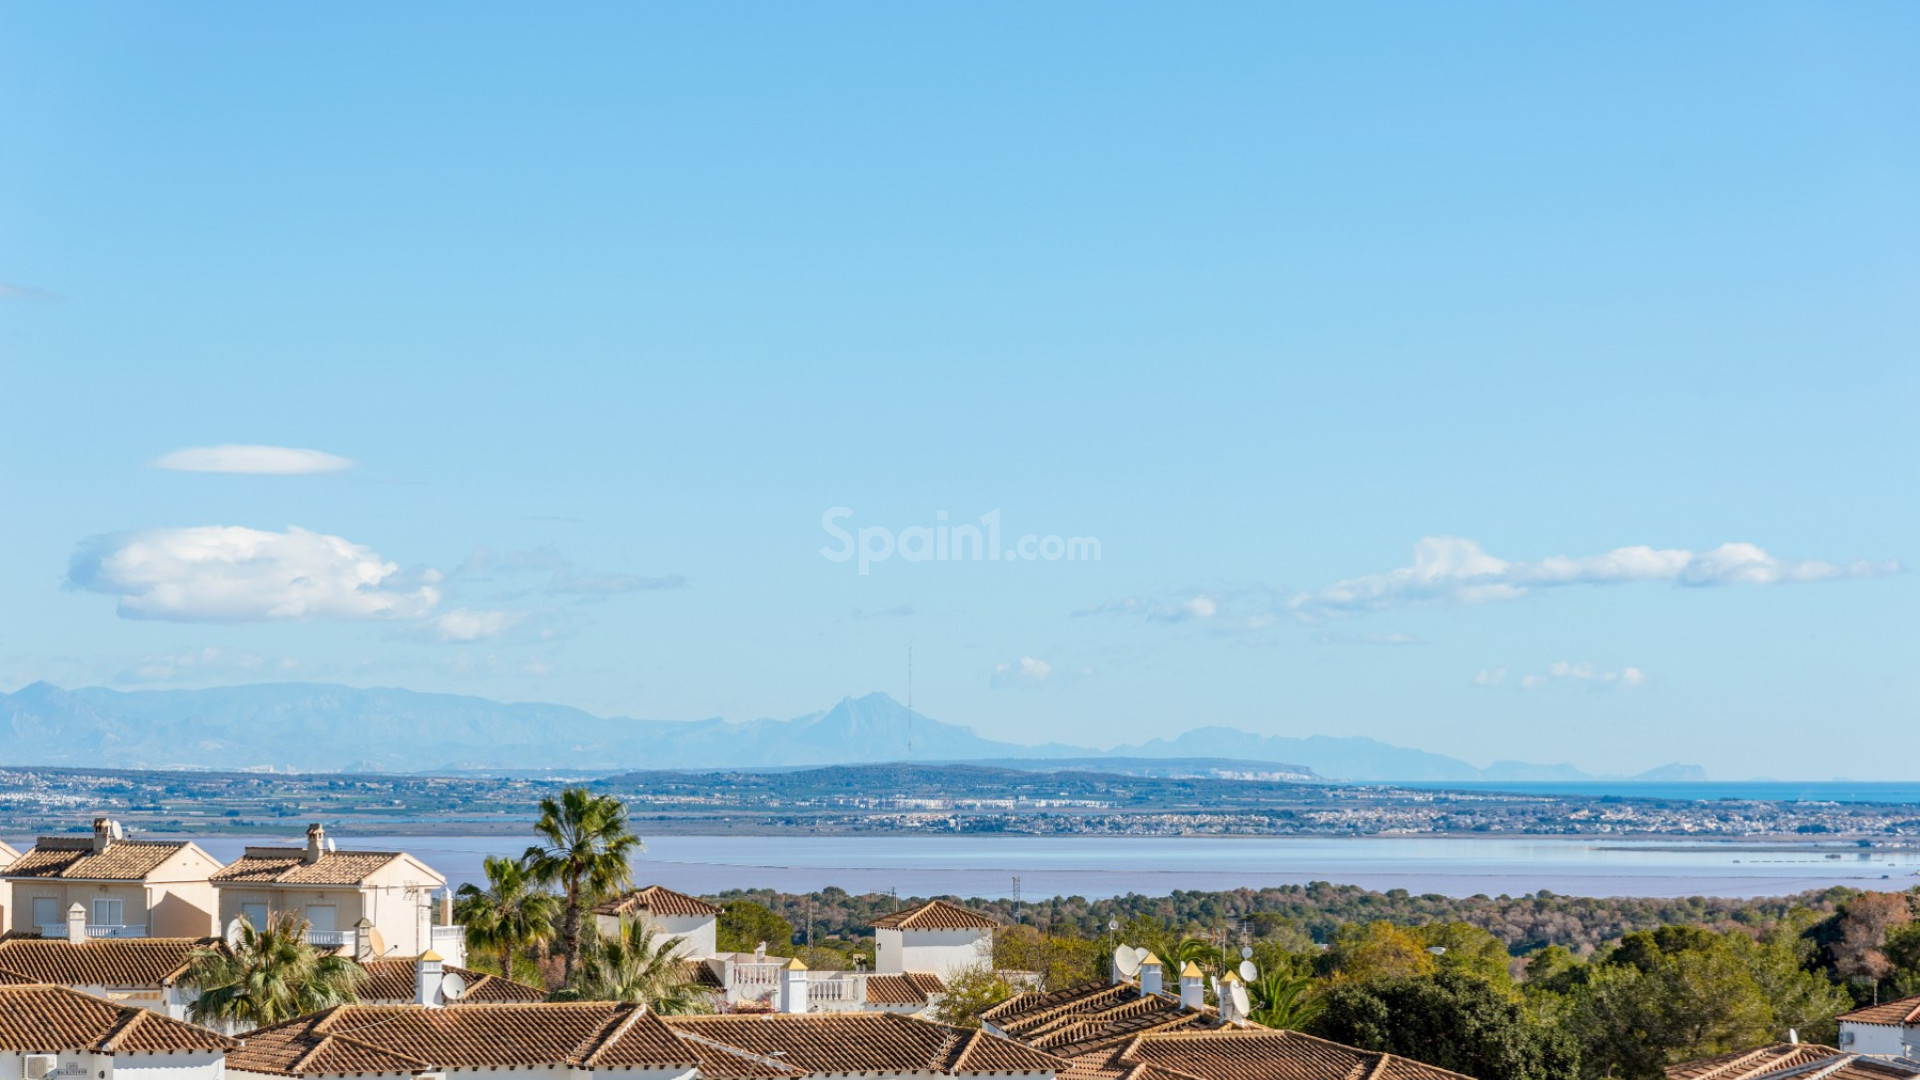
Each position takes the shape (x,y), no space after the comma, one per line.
(632,964)
(1194,950)
(585,851)
(270,974)
(510,914)
(1285,1000)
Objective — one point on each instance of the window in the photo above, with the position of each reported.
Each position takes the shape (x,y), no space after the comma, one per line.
(255,914)
(108,911)
(46,911)
(324,917)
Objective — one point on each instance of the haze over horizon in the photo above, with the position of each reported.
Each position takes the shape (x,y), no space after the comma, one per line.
(1534,388)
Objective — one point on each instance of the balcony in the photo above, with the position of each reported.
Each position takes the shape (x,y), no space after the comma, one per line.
(329,937)
(94,930)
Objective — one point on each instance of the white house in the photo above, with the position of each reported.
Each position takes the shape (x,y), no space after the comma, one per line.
(125,888)
(1795,1061)
(1891,1029)
(144,973)
(667,914)
(936,937)
(53,1033)
(336,890)
(7,858)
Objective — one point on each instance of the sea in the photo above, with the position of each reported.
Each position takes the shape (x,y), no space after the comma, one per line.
(1835,791)
(1096,867)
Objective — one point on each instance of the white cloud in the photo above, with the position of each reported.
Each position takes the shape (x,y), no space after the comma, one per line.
(1026,671)
(1452,570)
(1569,673)
(462,624)
(205,663)
(262,460)
(220,573)
(1449,570)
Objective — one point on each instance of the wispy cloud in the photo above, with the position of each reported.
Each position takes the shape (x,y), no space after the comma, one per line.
(1025,671)
(256,460)
(11,291)
(1452,571)
(564,578)
(211,662)
(221,573)
(1390,638)
(1571,673)
(465,625)
(900,611)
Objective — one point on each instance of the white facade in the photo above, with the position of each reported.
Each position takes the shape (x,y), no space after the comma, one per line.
(87,1065)
(1879,1040)
(945,953)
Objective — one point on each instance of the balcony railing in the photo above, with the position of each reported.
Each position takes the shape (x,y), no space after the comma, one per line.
(329,937)
(94,930)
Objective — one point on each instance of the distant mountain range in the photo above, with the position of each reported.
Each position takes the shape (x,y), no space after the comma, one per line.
(310,727)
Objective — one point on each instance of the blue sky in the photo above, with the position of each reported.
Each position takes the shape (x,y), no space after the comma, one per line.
(601,311)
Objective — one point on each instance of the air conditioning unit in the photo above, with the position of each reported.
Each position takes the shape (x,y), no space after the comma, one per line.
(40,1066)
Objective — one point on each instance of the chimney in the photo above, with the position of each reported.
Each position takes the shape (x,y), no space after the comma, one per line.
(103,833)
(793,987)
(77,924)
(446,907)
(1153,976)
(316,842)
(427,972)
(1193,987)
(1793,1036)
(363,940)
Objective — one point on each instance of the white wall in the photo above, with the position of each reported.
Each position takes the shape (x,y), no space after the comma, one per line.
(702,932)
(943,952)
(84,1065)
(1879,1040)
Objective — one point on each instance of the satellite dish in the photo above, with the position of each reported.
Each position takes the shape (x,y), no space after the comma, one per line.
(235,931)
(1217,993)
(1248,972)
(1246,952)
(375,943)
(1241,1006)
(114,830)
(331,846)
(1126,961)
(452,986)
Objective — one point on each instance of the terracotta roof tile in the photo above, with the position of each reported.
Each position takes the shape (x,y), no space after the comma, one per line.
(72,858)
(115,962)
(1263,1054)
(289,866)
(1793,1059)
(659,901)
(410,1038)
(48,1019)
(1904,1011)
(908,988)
(936,915)
(865,1043)
(391,979)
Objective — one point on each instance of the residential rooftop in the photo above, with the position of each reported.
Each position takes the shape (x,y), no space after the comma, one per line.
(43,1019)
(936,915)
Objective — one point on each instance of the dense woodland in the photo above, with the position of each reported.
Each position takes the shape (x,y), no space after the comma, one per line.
(1507,988)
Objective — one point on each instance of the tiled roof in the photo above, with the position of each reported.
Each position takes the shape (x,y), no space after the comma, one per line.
(907,988)
(48,1019)
(657,900)
(1091,1017)
(392,979)
(1246,1054)
(935,915)
(412,1039)
(289,866)
(1904,1011)
(865,1043)
(72,858)
(1796,1060)
(114,962)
